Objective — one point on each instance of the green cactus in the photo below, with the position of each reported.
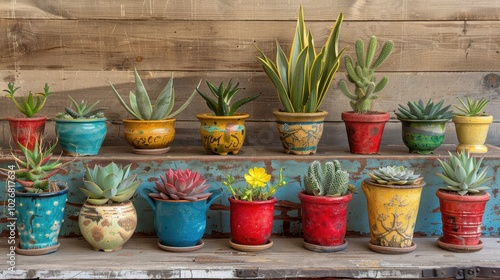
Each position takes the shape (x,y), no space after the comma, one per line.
(362,76)
(327,180)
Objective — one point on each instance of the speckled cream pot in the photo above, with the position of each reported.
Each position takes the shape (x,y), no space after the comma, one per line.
(107,227)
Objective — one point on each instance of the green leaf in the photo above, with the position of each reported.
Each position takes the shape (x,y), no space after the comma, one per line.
(143,101)
(164,102)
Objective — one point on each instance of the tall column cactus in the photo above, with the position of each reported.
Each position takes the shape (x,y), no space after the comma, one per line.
(327,180)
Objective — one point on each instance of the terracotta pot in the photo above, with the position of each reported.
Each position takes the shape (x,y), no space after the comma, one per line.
(107,227)
(324,220)
(26,131)
(81,137)
(364,131)
(251,222)
(154,135)
(472,132)
(392,214)
(462,217)
(423,136)
(222,134)
(300,132)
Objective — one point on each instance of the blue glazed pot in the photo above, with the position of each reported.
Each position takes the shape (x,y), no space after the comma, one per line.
(39,218)
(423,136)
(179,223)
(81,137)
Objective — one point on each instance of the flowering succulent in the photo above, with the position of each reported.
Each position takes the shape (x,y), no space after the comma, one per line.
(181,184)
(257,187)
(395,175)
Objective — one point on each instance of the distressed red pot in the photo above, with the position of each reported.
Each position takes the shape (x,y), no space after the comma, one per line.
(251,221)
(26,131)
(364,131)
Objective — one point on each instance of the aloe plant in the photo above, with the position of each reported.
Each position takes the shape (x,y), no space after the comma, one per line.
(221,104)
(142,108)
(429,111)
(471,107)
(81,111)
(29,106)
(395,175)
(303,79)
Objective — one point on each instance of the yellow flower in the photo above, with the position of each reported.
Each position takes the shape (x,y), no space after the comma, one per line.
(257,177)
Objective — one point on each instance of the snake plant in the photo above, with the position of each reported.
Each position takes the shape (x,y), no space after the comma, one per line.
(303,79)
(142,108)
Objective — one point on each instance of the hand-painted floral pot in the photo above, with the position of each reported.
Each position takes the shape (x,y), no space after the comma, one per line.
(300,132)
(392,215)
(222,134)
(251,222)
(39,220)
(364,131)
(324,221)
(179,223)
(423,136)
(472,132)
(149,135)
(107,227)
(81,137)
(26,131)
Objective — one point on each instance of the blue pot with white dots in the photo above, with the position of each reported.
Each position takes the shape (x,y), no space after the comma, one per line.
(39,219)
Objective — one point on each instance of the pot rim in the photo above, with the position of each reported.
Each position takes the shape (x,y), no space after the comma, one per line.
(370,181)
(450,195)
(33,119)
(212,116)
(481,119)
(318,113)
(423,121)
(271,199)
(147,121)
(324,199)
(64,190)
(372,116)
(80,120)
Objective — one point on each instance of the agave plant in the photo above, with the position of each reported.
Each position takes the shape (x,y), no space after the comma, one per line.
(429,111)
(327,180)
(181,184)
(81,111)
(395,175)
(28,107)
(303,80)
(471,107)
(142,108)
(221,104)
(109,184)
(462,173)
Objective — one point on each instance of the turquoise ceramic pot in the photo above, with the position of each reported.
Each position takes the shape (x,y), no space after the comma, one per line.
(81,137)
(423,136)
(39,218)
(179,223)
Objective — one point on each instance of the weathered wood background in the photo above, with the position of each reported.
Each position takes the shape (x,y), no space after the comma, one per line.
(443,50)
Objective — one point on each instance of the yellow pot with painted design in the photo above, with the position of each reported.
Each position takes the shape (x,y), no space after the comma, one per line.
(222,134)
(472,132)
(149,136)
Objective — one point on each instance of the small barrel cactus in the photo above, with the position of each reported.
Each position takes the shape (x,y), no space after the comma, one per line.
(181,184)
(395,175)
(327,180)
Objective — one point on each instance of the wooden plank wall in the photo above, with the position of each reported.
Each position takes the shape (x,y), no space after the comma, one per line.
(443,49)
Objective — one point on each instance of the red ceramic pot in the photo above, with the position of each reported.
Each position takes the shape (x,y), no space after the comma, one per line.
(251,221)
(364,131)
(26,131)
(324,219)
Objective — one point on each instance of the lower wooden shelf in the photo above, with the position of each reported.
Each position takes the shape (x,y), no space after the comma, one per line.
(141,258)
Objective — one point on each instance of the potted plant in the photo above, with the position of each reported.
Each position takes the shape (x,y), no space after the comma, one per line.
(423,126)
(472,125)
(27,131)
(108,218)
(81,131)
(180,206)
(462,202)
(223,131)
(302,82)
(152,130)
(393,198)
(252,209)
(40,201)
(365,127)
(324,204)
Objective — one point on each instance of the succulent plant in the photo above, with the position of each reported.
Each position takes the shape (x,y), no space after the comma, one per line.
(362,76)
(81,111)
(462,173)
(141,106)
(429,111)
(303,79)
(472,107)
(181,184)
(327,180)
(29,107)
(221,104)
(109,184)
(395,175)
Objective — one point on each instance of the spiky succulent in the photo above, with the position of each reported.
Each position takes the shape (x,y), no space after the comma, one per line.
(327,180)
(141,106)
(28,107)
(109,184)
(81,111)
(395,175)
(462,173)
(472,107)
(221,104)
(420,111)
(362,76)
(181,184)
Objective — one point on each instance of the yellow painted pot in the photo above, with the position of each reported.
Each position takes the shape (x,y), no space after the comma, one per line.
(472,132)
(222,134)
(146,135)
(392,214)
(107,227)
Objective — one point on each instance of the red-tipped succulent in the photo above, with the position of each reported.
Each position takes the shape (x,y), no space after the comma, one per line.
(181,184)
